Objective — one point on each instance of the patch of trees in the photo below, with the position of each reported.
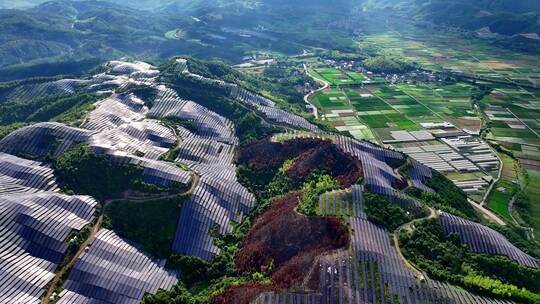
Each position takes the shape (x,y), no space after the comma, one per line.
(82,171)
(233,274)
(388,65)
(447,197)
(312,190)
(381,211)
(45,108)
(282,91)
(305,156)
(149,223)
(5,130)
(445,258)
(70,67)
(272,82)
(306,237)
(519,237)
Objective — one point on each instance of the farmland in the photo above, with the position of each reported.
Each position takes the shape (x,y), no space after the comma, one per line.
(432,50)
(338,77)
(420,120)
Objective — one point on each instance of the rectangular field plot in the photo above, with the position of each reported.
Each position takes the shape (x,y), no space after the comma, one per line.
(331,100)
(337,77)
(350,124)
(500,198)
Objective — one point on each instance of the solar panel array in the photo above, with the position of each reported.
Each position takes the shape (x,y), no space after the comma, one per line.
(18,175)
(114,271)
(196,149)
(147,138)
(217,201)
(342,203)
(115,111)
(155,172)
(43,138)
(379,176)
(167,103)
(483,239)
(36,90)
(209,124)
(419,175)
(35,228)
(371,271)
(133,69)
(270,111)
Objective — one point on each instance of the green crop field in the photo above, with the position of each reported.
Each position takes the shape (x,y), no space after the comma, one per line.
(532,216)
(500,197)
(338,77)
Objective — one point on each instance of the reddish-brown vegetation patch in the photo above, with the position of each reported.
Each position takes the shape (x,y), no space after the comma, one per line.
(346,169)
(308,155)
(265,154)
(289,241)
(243,293)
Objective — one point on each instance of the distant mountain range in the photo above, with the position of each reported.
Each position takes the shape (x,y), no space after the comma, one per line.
(504,17)
(229,30)
(65,31)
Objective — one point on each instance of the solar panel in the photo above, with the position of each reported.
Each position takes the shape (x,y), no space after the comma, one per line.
(33,240)
(114,271)
(483,239)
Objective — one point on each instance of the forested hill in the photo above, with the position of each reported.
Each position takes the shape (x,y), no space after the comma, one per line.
(504,17)
(36,39)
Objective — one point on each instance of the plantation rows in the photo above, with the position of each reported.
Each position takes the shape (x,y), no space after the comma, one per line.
(34,230)
(342,203)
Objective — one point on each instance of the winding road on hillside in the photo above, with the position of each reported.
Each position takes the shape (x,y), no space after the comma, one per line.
(325,86)
(433,214)
(65,268)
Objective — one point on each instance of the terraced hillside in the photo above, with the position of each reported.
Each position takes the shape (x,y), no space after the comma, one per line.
(291,213)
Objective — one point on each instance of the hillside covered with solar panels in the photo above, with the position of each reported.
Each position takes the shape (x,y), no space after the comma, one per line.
(190,182)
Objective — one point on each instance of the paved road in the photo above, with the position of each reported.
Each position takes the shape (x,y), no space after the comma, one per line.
(487,213)
(410,228)
(55,283)
(324,87)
